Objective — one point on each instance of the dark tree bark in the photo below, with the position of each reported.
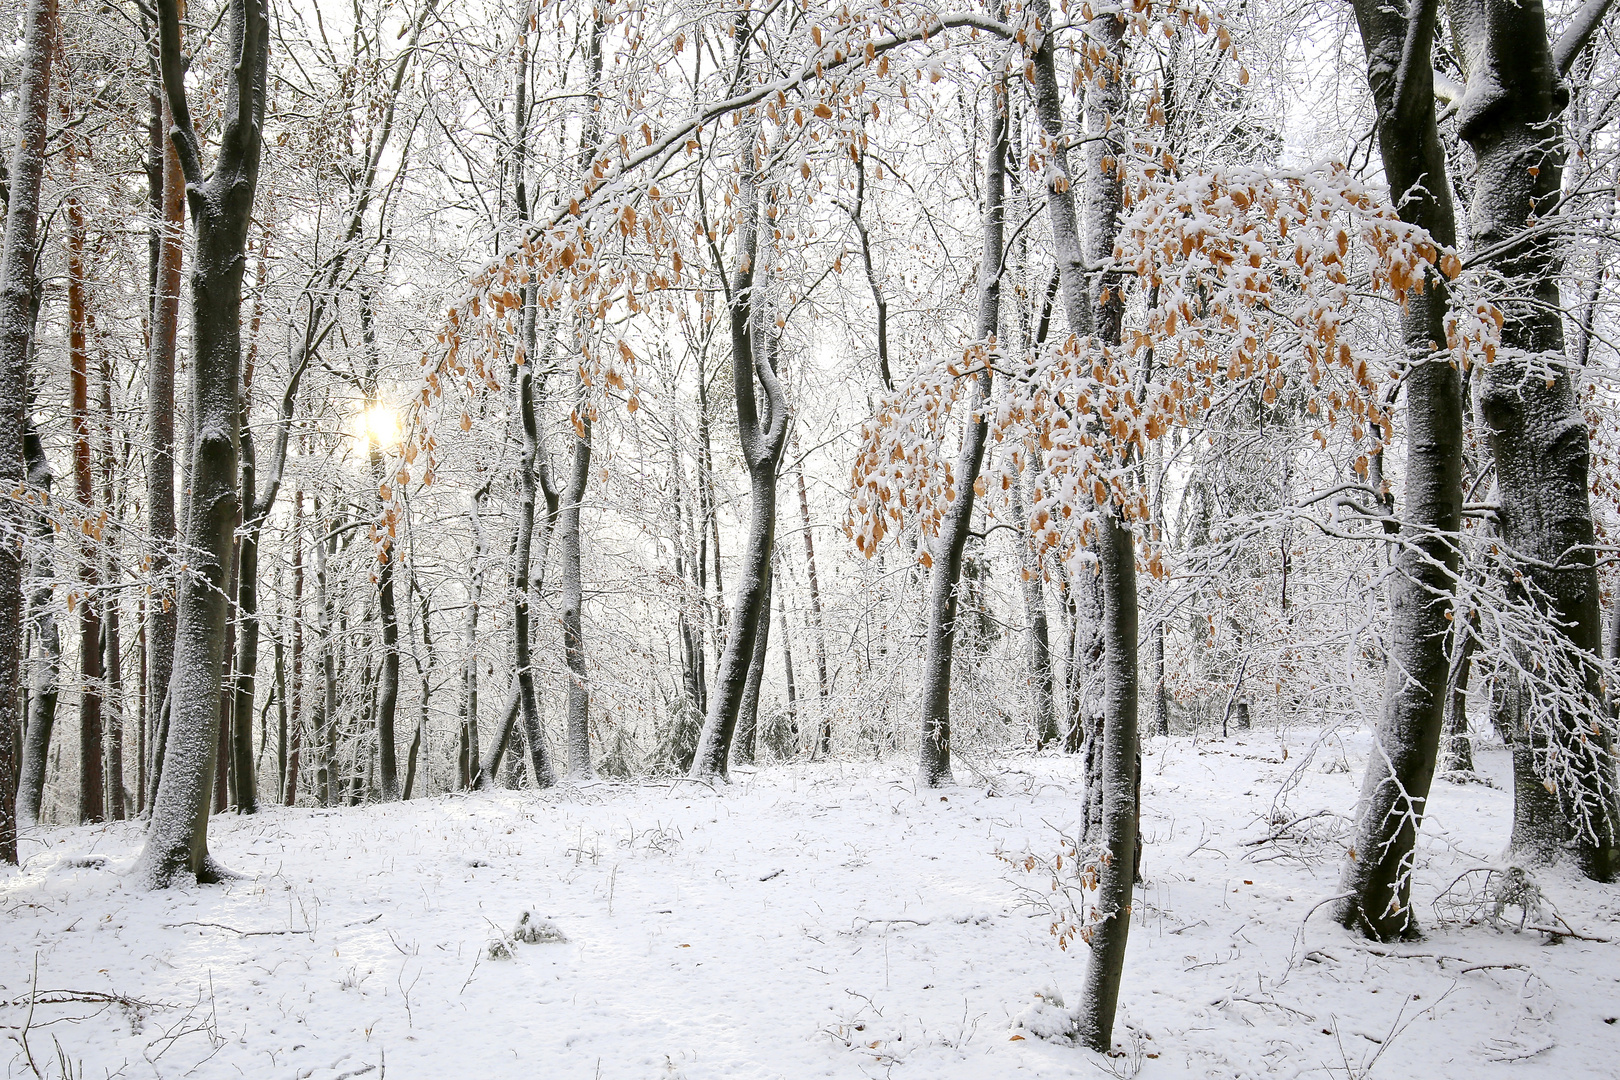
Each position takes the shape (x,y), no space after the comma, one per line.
(470,760)
(295,697)
(424,673)
(112,661)
(1458,747)
(787,660)
(694,684)
(763,433)
(221,209)
(573,598)
(1037,636)
(92,793)
(387,561)
(1095,306)
(1119,753)
(579,474)
(42,688)
(1376,879)
(934,751)
(17,289)
(160,409)
(1161,693)
(823,687)
(1120,774)
(743,749)
(1510,117)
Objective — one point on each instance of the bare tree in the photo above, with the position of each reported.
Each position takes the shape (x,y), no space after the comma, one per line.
(221,204)
(17,287)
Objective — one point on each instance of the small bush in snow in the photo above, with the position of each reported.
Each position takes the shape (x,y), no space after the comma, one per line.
(1047,1017)
(531,929)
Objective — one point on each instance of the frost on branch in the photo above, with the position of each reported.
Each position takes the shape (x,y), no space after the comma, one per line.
(1234,279)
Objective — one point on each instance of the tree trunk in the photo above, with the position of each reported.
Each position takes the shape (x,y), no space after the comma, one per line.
(1376,879)
(244,776)
(540,757)
(934,752)
(387,560)
(743,751)
(324,725)
(92,793)
(1116,869)
(573,598)
(295,734)
(1037,637)
(823,689)
(1510,117)
(424,672)
(221,208)
(1459,748)
(42,691)
(160,409)
(112,662)
(489,768)
(787,661)
(690,619)
(762,433)
(1161,693)
(471,760)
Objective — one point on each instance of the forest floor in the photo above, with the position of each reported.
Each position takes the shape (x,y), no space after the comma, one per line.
(811,920)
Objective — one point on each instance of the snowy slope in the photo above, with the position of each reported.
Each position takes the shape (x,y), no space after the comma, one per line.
(811,920)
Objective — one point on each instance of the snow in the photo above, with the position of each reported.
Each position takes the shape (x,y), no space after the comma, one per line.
(808,920)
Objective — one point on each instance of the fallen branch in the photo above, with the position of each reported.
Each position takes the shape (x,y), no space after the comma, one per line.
(68,997)
(242,933)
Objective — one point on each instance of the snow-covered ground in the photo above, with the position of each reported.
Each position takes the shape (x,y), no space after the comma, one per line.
(810,920)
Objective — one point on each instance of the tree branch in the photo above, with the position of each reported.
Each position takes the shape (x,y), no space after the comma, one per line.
(1567,49)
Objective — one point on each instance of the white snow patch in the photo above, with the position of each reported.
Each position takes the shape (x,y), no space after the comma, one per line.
(810,920)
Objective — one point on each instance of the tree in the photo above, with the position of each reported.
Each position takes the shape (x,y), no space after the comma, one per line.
(221,203)
(934,753)
(762,432)
(1510,114)
(17,289)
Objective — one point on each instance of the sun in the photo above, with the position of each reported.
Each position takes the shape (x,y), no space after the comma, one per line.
(379,425)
